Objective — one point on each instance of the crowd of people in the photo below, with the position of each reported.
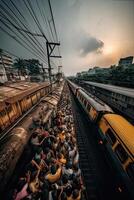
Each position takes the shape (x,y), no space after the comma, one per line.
(53,172)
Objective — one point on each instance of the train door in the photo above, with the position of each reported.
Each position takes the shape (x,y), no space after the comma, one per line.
(15,110)
(93,114)
(34,99)
(28,103)
(38,95)
(4,119)
(10,112)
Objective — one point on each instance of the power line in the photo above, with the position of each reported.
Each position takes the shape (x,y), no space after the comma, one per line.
(13,19)
(17,24)
(12,23)
(53,23)
(27,23)
(22,44)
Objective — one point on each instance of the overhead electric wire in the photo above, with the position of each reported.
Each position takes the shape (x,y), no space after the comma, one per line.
(35,50)
(43,18)
(9,15)
(21,39)
(31,11)
(53,24)
(13,37)
(13,26)
(33,39)
(35,18)
(27,23)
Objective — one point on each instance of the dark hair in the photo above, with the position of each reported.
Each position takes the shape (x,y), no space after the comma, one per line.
(59,155)
(68,165)
(53,169)
(34,135)
(68,191)
(64,179)
(75,167)
(63,196)
(75,193)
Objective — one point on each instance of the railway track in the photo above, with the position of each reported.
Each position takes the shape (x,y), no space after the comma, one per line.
(86,161)
(98,178)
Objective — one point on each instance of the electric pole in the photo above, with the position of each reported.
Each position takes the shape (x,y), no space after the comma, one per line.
(50,47)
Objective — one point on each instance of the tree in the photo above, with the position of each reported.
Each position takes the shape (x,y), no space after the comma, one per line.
(20,64)
(33,66)
(1,53)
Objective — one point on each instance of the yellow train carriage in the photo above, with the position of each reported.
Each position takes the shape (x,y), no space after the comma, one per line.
(93,107)
(16,99)
(4,120)
(118,137)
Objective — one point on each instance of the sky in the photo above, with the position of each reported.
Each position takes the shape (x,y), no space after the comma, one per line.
(91,33)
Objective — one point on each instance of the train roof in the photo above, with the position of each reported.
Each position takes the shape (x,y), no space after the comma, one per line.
(117,89)
(123,129)
(10,93)
(74,84)
(95,102)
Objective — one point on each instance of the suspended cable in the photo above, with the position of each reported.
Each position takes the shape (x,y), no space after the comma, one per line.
(35,48)
(32,39)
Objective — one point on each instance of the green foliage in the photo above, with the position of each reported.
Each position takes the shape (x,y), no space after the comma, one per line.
(116,76)
(32,65)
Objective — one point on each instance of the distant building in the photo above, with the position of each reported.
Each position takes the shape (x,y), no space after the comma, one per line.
(98,70)
(6,63)
(125,62)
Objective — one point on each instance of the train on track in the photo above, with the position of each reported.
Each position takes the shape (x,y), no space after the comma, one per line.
(119,98)
(115,134)
(19,136)
(17,98)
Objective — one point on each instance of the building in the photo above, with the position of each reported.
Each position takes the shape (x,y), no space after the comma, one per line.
(6,63)
(125,62)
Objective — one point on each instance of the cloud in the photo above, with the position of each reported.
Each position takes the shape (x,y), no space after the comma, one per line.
(88,44)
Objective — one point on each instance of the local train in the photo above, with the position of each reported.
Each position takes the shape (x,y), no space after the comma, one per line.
(115,134)
(13,107)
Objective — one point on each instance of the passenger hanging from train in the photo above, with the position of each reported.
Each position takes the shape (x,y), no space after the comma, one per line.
(54,174)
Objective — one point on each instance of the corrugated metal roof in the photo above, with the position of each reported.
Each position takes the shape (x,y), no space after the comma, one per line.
(98,105)
(123,129)
(117,89)
(16,91)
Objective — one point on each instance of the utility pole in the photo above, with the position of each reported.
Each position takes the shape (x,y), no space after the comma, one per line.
(50,47)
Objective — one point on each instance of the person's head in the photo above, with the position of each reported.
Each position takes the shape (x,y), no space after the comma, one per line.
(54,194)
(69,191)
(34,135)
(39,150)
(46,150)
(75,193)
(68,165)
(53,169)
(59,155)
(45,194)
(63,196)
(64,179)
(75,167)
(37,160)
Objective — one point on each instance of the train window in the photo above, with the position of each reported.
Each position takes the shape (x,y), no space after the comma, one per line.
(88,106)
(121,153)
(3,113)
(111,137)
(9,109)
(130,171)
(85,102)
